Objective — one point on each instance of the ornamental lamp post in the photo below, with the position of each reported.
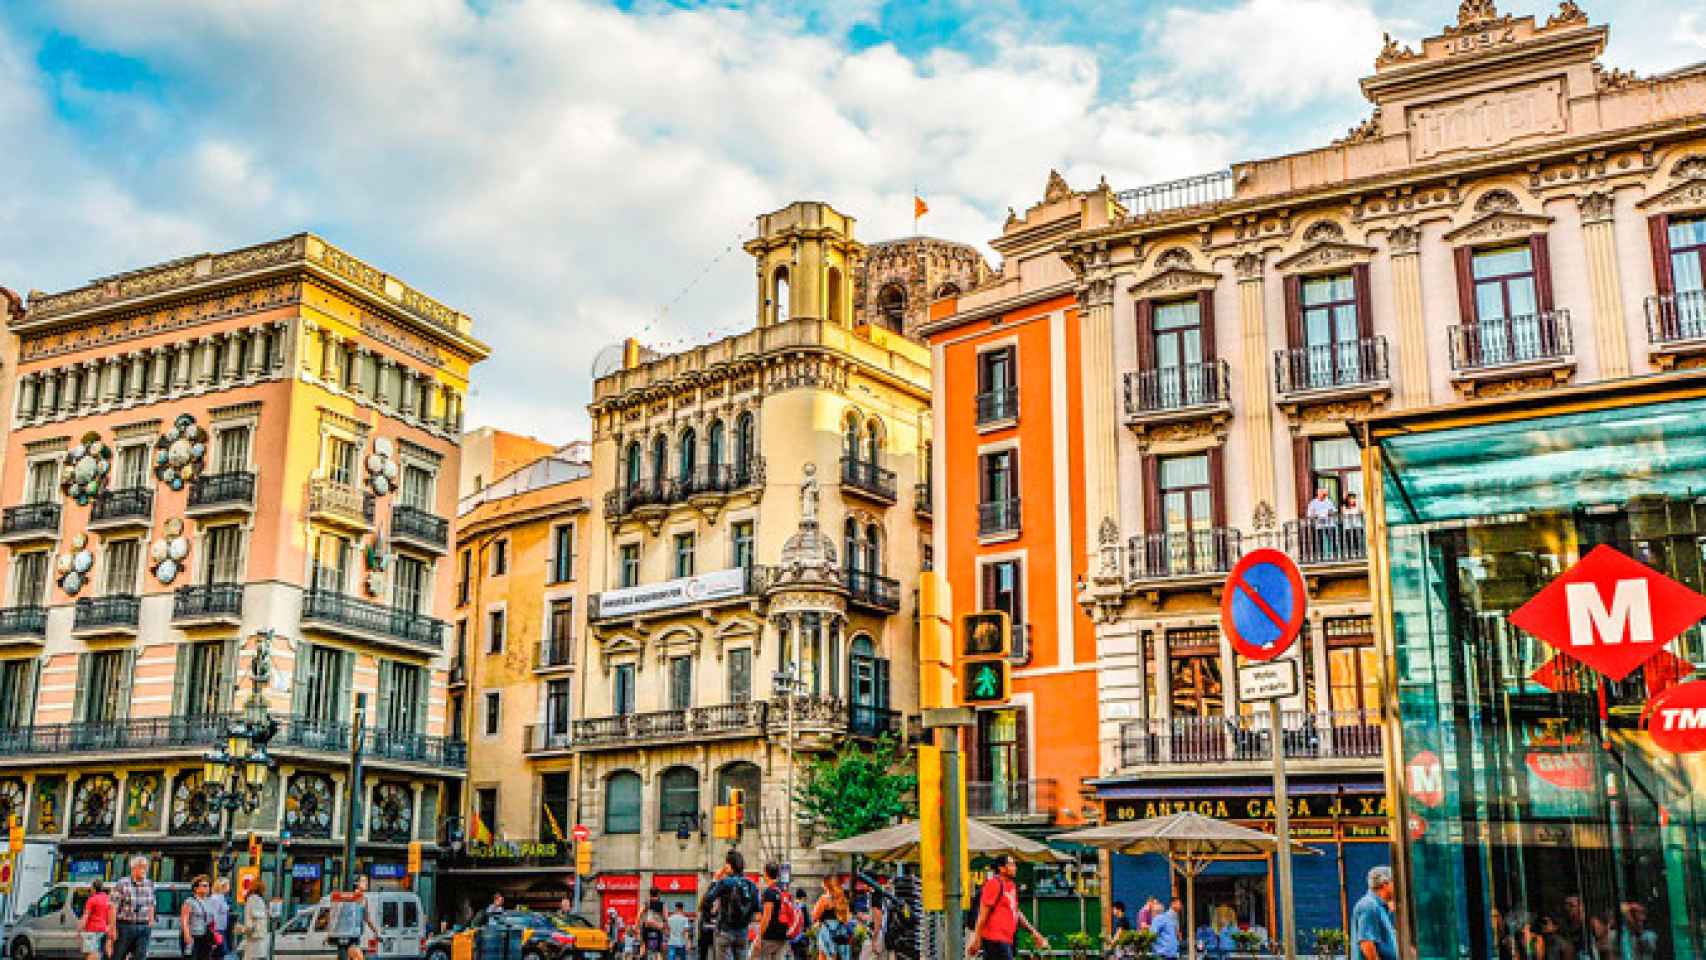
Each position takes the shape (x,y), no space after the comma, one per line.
(234,775)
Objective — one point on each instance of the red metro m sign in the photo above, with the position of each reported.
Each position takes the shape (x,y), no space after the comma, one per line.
(1676,719)
(1611,612)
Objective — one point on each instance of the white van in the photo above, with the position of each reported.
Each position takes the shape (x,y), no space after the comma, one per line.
(49,928)
(313,933)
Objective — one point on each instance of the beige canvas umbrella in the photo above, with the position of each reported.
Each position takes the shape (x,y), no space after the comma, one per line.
(900,842)
(1190,842)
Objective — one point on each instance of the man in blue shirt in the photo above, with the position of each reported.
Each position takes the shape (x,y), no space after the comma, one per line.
(1166,929)
(1372,930)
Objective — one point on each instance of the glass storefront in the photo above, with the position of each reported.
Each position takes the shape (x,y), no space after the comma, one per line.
(1540,818)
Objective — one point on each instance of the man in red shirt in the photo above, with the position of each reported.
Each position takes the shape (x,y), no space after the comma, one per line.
(998,915)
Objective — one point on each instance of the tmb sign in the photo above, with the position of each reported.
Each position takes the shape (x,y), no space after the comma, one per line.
(1611,612)
(1676,718)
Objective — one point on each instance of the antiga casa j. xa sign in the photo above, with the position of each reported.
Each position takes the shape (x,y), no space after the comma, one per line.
(1676,718)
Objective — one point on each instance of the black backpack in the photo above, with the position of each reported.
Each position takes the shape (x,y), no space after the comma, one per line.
(740,904)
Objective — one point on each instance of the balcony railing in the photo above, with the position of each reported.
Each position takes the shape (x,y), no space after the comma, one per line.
(872,722)
(1676,317)
(868,478)
(994,406)
(997,517)
(118,610)
(873,590)
(208,600)
(1329,735)
(709,480)
(1015,800)
(1331,366)
(330,736)
(25,621)
(29,518)
(234,488)
(340,502)
(136,503)
(923,499)
(152,733)
(546,737)
(1336,539)
(1177,194)
(419,525)
(458,673)
(671,724)
(1175,389)
(1162,556)
(557,652)
(415,629)
(1533,338)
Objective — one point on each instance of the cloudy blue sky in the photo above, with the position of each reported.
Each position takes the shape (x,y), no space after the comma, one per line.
(571,172)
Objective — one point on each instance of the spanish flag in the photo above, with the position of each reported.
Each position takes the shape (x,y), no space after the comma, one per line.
(919,207)
(556,828)
(480,833)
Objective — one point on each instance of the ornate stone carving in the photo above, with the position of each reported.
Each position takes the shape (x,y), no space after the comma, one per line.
(1391,51)
(1175,281)
(1249,265)
(1329,254)
(1404,240)
(1184,430)
(1505,388)
(1176,258)
(1499,226)
(1323,231)
(1263,517)
(1596,206)
(1335,411)
(1056,189)
(1497,200)
(1474,15)
(1569,14)
(1693,165)
(1097,292)
(1108,550)
(1482,121)
(1612,80)
(1365,131)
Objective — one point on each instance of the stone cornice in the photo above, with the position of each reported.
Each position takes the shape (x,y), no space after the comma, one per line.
(1325,255)
(1499,225)
(1174,280)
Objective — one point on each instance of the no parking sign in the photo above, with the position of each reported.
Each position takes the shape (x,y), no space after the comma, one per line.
(1262,606)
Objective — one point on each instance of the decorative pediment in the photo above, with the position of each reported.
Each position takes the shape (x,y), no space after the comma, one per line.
(1500,225)
(621,646)
(1325,255)
(1174,280)
(1686,197)
(737,630)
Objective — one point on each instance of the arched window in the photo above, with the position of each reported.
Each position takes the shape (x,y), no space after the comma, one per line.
(873,562)
(891,307)
(745,443)
(873,442)
(747,777)
(687,457)
(714,446)
(660,459)
(678,799)
(622,802)
(850,544)
(779,296)
(631,471)
(850,439)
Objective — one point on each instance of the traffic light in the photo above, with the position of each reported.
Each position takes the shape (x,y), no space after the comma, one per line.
(583,857)
(737,810)
(723,822)
(254,849)
(985,640)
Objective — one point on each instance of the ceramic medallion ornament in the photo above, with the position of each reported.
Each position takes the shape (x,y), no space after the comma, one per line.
(88,467)
(168,553)
(382,467)
(75,568)
(180,452)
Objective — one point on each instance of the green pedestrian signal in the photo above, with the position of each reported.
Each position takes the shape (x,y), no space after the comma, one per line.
(985,682)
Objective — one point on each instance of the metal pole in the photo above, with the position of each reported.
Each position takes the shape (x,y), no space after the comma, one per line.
(352,805)
(952,840)
(1282,828)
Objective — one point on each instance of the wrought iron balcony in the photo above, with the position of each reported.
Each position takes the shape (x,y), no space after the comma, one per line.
(222,491)
(119,612)
(867,478)
(30,521)
(1676,318)
(1194,191)
(872,722)
(1178,392)
(1331,368)
(556,653)
(998,517)
(329,736)
(706,481)
(997,406)
(723,720)
(546,738)
(1530,339)
(340,503)
(1327,540)
(208,602)
(874,591)
(24,621)
(1193,553)
(347,614)
(458,673)
(420,527)
(115,508)
(923,497)
(1013,800)
(1325,735)
(107,736)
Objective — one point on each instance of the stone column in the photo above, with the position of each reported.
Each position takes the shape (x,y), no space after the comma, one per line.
(1415,386)
(92,371)
(411,393)
(1604,283)
(25,384)
(276,347)
(357,368)
(233,354)
(162,371)
(138,376)
(1258,409)
(331,355)
(382,382)
(204,369)
(1101,418)
(65,396)
(183,359)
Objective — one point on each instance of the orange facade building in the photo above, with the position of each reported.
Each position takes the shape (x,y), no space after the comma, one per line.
(1010,526)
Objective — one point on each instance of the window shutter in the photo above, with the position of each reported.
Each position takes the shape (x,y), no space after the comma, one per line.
(1658,228)
(1542,254)
(127,671)
(1217,484)
(882,683)
(80,700)
(1022,733)
(1365,312)
(346,683)
(32,681)
(387,696)
(1465,257)
(1205,313)
(299,678)
(1305,474)
(231,680)
(180,677)
(1152,520)
(417,679)
(1294,312)
(1146,335)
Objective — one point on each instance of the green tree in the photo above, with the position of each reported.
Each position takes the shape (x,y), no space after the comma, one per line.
(858,790)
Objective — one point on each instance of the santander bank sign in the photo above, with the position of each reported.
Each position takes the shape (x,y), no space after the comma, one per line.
(1613,614)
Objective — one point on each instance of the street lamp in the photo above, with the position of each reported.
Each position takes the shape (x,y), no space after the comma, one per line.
(234,775)
(788,684)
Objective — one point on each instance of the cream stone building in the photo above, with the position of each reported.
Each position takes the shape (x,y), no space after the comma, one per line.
(1513,217)
(763,509)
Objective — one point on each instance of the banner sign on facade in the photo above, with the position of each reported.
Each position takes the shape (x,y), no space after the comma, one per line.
(683,591)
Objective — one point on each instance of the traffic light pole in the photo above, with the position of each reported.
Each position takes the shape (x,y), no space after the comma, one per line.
(952,840)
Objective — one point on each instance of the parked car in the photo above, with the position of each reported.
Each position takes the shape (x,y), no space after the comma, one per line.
(312,933)
(48,930)
(546,936)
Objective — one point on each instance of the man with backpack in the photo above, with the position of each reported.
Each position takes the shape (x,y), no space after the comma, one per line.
(734,901)
(778,919)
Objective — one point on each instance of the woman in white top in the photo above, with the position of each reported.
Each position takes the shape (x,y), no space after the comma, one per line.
(257,923)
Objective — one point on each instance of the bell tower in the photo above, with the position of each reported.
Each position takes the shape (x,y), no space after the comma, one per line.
(805,256)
